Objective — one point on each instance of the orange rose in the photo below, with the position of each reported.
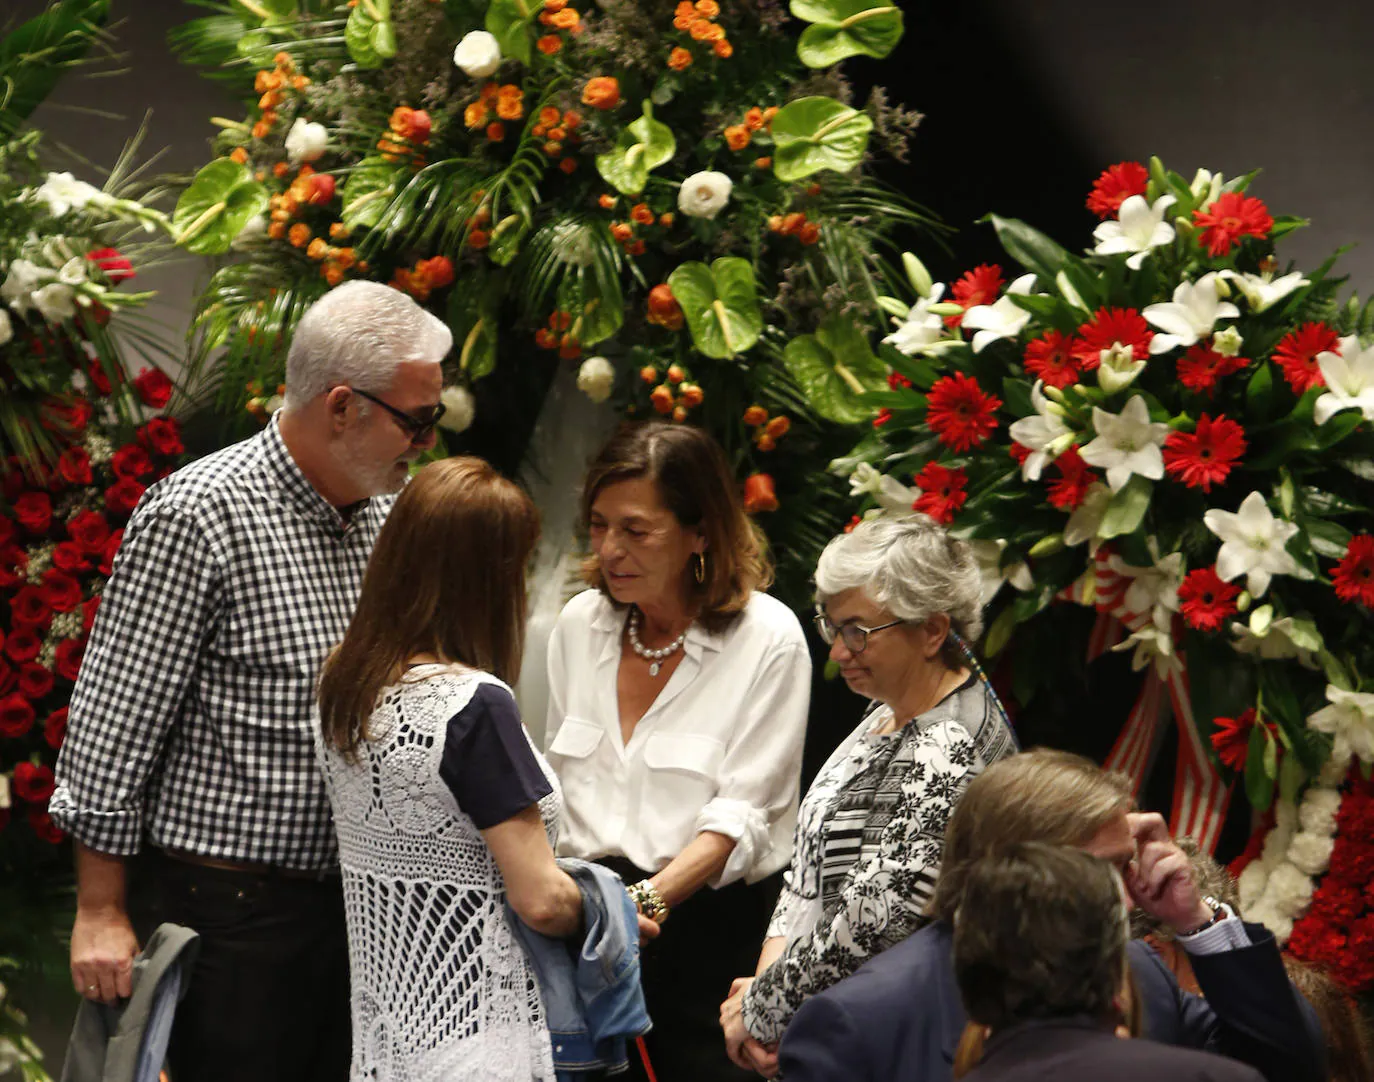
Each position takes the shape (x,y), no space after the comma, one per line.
(277,230)
(606,201)
(723,49)
(737,137)
(496,131)
(549,44)
(778,427)
(438,271)
(792,223)
(759,494)
(753,119)
(333,273)
(568,165)
(318,248)
(708,8)
(685,10)
(489,93)
(679,414)
(692,395)
(765,442)
(299,235)
(239,155)
(649,374)
(475,115)
(338,231)
(755,415)
(662,398)
(549,116)
(810,233)
(555,6)
(679,59)
(571,119)
(270,100)
(412,125)
(566,18)
(602,92)
(510,107)
(478,238)
(666,220)
(701,30)
(641,213)
(763,163)
(622,231)
(769,114)
(676,374)
(635,247)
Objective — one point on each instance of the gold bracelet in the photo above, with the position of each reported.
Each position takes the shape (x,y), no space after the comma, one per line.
(648,900)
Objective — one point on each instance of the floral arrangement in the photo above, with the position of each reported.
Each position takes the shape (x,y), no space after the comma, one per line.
(670,195)
(1176,431)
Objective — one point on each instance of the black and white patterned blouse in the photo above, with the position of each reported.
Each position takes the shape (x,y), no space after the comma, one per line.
(190,722)
(869,839)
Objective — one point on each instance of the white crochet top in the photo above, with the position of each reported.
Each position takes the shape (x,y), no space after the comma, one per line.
(441,991)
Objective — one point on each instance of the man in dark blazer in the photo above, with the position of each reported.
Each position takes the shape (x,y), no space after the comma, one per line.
(900,1016)
(1040,960)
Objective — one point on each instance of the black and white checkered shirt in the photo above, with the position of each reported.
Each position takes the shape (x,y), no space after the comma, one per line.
(190,722)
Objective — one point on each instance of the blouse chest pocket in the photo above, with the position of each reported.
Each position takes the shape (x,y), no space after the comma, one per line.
(693,759)
(573,748)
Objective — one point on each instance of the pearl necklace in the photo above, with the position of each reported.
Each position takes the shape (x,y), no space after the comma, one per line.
(654,657)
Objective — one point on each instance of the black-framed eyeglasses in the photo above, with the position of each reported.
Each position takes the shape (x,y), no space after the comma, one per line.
(855,636)
(419,428)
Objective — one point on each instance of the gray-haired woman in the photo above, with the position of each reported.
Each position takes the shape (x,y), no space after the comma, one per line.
(898,600)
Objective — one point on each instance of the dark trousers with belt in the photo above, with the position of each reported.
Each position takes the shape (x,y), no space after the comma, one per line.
(268,998)
(706,943)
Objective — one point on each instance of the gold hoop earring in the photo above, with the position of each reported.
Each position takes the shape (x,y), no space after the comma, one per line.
(699,568)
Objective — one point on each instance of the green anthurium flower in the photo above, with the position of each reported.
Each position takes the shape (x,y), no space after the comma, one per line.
(811,134)
(834,366)
(721,305)
(642,147)
(845,28)
(221,200)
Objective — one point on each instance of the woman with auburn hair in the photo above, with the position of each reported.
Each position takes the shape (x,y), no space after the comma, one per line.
(445,811)
(678,704)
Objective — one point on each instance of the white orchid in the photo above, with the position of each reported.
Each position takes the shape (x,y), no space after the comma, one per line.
(6,327)
(1039,433)
(459,408)
(1139,227)
(1151,644)
(1086,519)
(990,569)
(890,493)
(62,192)
(596,378)
(306,141)
(704,194)
(1252,544)
(478,54)
(55,302)
(921,328)
(1003,319)
(1127,443)
(1349,718)
(1349,375)
(1263,291)
(1190,316)
(1274,642)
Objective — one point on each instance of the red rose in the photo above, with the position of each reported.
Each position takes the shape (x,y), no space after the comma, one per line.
(153,387)
(70,557)
(16,716)
(29,608)
(7,531)
(117,269)
(90,530)
(13,560)
(55,728)
(99,379)
(74,464)
(122,497)
(33,510)
(22,645)
(34,681)
(108,556)
(72,415)
(68,661)
(7,676)
(88,608)
(162,435)
(131,460)
(60,590)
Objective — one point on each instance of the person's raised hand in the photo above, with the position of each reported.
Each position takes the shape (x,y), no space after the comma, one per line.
(1160,880)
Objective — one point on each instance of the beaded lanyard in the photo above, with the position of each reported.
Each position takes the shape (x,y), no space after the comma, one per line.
(972,661)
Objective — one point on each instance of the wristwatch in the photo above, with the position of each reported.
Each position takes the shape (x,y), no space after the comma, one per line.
(1220,911)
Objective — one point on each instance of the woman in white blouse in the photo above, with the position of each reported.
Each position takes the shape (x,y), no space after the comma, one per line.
(678,703)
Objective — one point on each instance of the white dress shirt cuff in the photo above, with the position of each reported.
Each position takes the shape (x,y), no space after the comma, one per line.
(1227,934)
(747,825)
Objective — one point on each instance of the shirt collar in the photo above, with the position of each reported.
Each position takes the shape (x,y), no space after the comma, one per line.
(610,620)
(292,482)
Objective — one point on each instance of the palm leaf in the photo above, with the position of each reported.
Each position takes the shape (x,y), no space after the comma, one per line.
(37,53)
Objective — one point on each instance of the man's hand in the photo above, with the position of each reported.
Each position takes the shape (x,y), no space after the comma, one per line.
(103,949)
(1160,879)
(744,1050)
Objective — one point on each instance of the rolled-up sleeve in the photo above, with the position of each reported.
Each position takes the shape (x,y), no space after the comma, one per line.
(760,775)
(155,615)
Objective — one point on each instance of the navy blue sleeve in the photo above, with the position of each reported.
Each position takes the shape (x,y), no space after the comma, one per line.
(822,1044)
(488,763)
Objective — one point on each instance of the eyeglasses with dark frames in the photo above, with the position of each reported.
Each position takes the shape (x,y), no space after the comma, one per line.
(855,636)
(419,428)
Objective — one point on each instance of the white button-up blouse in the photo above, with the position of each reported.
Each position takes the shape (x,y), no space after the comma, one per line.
(720,748)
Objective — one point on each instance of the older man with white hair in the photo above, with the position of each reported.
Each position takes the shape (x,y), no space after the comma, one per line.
(189,768)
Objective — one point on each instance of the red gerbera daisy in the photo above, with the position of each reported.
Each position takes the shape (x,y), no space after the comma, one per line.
(1071,488)
(1296,355)
(1201,367)
(1112,328)
(960,412)
(1229,218)
(1354,575)
(1051,358)
(1115,186)
(1205,600)
(942,492)
(978,286)
(1231,738)
(1205,456)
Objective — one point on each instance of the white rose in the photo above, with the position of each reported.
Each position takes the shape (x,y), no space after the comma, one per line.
(6,327)
(63,192)
(596,378)
(704,194)
(459,408)
(306,141)
(56,302)
(1317,813)
(1311,853)
(478,54)
(1251,883)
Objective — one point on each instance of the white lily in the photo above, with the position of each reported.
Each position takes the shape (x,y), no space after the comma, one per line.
(989,557)
(1086,519)
(1039,432)
(1206,186)
(1228,342)
(1139,227)
(1252,543)
(55,302)
(1349,375)
(6,327)
(1151,644)
(1190,316)
(1004,319)
(24,277)
(1127,443)
(62,192)
(1067,291)
(1350,718)
(73,272)
(890,493)
(1153,589)
(921,328)
(1263,291)
(1118,368)
(1277,642)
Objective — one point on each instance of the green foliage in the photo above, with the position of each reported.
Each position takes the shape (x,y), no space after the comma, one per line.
(37,53)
